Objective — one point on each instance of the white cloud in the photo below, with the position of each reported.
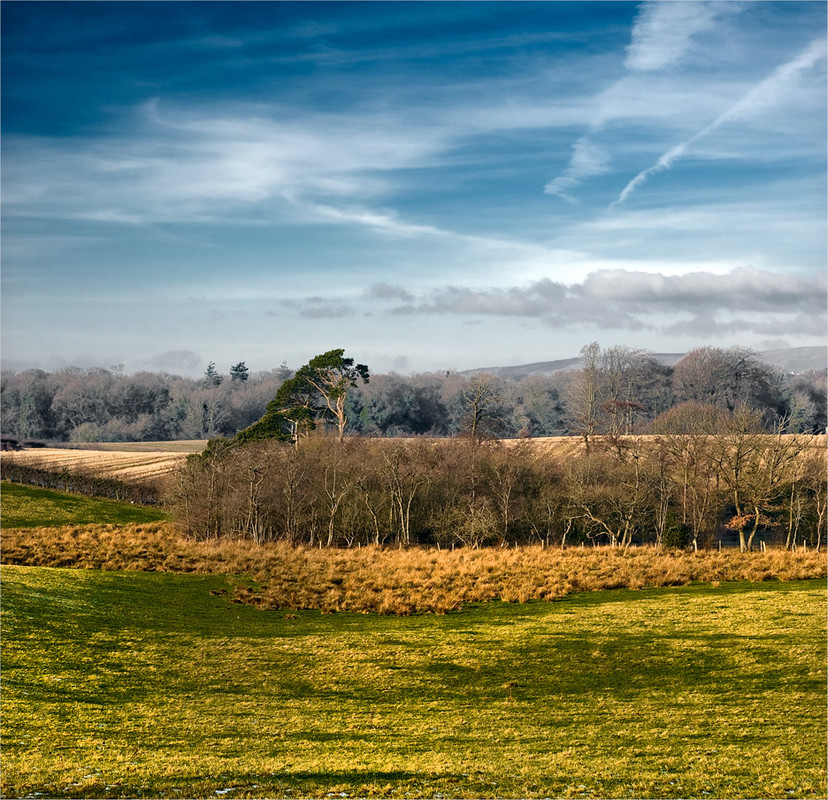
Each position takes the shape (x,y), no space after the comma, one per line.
(762,97)
(745,299)
(744,289)
(175,361)
(387,291)
(588,159)
(663,31)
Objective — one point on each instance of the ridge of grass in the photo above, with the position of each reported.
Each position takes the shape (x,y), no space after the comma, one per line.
(124,684)
(23,506)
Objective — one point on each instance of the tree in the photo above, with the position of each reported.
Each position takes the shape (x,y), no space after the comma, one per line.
(394,406)
(211,376)
(613,496)
(272,425)
(238,372)
(320,388)
(731,379)
(511,481)
(807,400)
(757,469)
(584,393)
(483,409)
(407,469)
(538,408)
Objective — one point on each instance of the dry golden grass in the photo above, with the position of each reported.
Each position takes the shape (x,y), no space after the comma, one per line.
(564,446)
(123,465)
(390,581)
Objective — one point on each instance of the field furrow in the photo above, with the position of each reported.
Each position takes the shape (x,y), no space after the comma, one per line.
(105,464)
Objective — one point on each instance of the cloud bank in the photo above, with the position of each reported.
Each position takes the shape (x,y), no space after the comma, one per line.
(700,303)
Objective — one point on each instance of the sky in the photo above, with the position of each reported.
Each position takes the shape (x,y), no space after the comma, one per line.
(431,185)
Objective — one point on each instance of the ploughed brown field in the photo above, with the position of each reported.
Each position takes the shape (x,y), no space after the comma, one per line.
(123,465)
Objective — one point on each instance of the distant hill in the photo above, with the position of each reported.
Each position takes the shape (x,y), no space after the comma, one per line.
(789,360)
(797,359)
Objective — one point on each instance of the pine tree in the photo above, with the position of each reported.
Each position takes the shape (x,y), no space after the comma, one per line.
(238,372)
(211,376)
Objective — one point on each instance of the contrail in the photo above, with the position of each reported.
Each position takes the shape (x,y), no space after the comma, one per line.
(761,94)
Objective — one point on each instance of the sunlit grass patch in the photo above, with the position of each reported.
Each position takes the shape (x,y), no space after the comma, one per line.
(30,506)
(149,684)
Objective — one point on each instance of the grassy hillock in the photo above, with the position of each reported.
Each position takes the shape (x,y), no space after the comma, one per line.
(23,506)
(130,679)
(121,684)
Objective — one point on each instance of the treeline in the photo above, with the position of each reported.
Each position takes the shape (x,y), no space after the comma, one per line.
(672,489)
(618,390)
(99,405)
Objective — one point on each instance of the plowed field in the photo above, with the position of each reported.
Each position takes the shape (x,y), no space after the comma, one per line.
(104,464)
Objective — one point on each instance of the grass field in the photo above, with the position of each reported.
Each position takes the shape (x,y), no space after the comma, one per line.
(156,684)
(24,506)
(120,684)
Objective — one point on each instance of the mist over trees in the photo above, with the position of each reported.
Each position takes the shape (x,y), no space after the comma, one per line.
(617,391)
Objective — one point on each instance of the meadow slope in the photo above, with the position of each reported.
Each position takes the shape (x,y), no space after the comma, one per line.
(121,684)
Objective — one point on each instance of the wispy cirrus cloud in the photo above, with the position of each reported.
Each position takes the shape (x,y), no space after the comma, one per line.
(588,159)
(762,96)
(663,33)
(659,93)
(175,165)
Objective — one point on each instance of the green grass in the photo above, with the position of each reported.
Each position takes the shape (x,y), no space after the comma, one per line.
(24,506)
(121,684)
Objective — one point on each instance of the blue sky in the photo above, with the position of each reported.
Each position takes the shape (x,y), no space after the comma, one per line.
(428,185)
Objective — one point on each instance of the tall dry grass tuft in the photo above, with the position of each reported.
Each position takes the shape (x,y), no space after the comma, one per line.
(392,581)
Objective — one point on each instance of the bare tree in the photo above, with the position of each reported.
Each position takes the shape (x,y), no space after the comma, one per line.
(483,411)
(584,393)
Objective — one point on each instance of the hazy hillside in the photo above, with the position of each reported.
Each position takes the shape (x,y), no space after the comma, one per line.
(797,359)
(789,360)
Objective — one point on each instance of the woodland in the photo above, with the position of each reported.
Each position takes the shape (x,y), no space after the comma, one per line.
(99,405)
(720,449)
